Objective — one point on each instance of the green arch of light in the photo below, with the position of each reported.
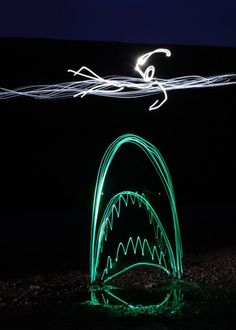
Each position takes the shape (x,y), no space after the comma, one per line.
(108,216)
(126,269)
(161,168)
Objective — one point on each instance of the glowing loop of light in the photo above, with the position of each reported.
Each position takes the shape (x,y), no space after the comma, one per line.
(101,224)
(120,86)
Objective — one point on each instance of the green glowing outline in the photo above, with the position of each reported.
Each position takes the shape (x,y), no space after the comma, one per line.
(172,300)
(157,306)
(162,170)
(160,235)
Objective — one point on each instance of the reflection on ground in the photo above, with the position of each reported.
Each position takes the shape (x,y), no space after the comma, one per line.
(166,298)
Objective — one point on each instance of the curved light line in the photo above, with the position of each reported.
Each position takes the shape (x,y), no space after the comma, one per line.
(161,168)
(172,300)
(108,220)
(120,86)
(149,264)
(156,306)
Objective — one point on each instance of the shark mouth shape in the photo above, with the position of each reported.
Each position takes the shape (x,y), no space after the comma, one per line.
(160,254)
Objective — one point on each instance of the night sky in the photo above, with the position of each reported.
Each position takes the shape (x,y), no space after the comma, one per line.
(202,22)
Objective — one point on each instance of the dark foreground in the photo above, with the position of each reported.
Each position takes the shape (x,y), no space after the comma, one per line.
(204,299)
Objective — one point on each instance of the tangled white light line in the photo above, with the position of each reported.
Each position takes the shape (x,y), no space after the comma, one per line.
(120,86)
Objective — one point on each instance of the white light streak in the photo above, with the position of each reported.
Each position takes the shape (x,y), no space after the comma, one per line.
(120,86)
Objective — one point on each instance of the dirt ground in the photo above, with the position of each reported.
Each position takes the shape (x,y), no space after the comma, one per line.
(207,298)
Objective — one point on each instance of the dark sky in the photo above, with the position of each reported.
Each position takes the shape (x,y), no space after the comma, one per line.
(202,22)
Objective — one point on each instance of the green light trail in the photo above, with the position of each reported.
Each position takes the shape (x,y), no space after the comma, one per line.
(157,253)
(168,299)
(161,253)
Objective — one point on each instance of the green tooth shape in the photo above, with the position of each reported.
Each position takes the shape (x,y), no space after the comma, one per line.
(113,210)
(101,224)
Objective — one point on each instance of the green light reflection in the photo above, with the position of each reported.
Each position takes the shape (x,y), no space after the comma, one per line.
(167,299)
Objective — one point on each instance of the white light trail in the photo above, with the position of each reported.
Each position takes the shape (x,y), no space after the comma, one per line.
(120,86)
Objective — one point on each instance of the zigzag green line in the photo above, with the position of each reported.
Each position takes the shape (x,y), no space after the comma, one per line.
(107,223)
(159,165)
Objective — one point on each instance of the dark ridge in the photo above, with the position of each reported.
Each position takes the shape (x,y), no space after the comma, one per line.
(102,42)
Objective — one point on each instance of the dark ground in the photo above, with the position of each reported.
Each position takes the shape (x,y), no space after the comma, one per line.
(60,300)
